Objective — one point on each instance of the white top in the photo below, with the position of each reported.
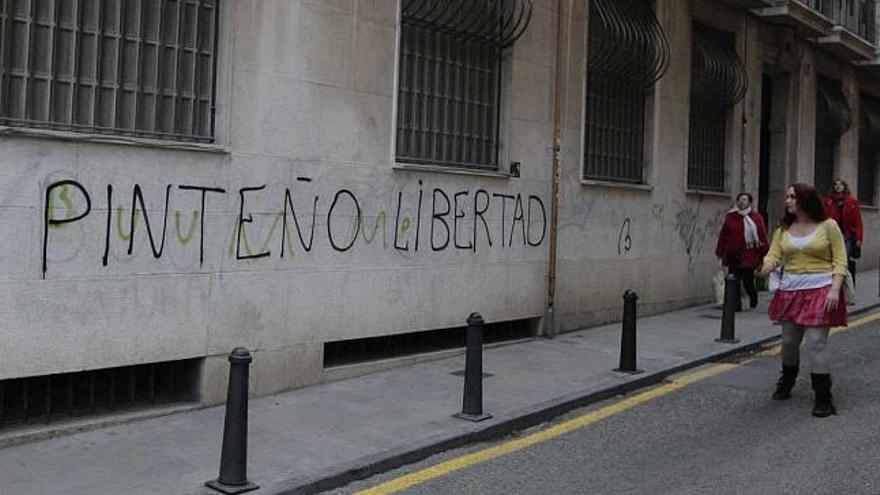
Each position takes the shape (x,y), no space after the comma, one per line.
(804,281)
(801,242)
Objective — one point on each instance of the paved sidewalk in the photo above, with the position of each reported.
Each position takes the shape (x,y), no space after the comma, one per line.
(322,436)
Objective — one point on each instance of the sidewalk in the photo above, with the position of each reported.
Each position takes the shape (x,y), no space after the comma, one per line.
(323,436)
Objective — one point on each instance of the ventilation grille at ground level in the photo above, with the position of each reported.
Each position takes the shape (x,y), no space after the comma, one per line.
(44,399)
(392,346)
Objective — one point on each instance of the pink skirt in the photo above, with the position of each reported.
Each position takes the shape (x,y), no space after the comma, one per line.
(806,307)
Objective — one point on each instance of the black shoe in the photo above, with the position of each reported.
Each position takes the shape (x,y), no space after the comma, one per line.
(824,404)
(753,302)
(786,382)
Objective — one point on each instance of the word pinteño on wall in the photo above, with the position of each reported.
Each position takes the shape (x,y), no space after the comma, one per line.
(442,219)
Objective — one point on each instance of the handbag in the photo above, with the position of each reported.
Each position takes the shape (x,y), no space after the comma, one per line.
(774,280)
(848,288)
(718,286)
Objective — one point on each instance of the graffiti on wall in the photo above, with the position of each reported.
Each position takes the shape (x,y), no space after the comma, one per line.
(695,231)
(430,219)
(624,237)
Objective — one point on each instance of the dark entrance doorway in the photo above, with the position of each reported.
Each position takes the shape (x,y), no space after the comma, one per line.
(833,118)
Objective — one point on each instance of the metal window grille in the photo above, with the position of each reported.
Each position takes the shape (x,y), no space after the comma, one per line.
(615,129)
(858,16)
(129,67)
(627,53)
(50,398)
(718,81)
(448,104)
(343,352)
(450,79)
(707,143)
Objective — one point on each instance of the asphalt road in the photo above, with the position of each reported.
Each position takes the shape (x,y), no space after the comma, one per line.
(719,435)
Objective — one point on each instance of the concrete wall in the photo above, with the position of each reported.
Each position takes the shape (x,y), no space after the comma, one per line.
(308,92)
(658,238)
(364,246)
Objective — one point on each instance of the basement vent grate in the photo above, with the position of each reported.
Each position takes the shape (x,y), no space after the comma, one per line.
(48,398)
(344,352)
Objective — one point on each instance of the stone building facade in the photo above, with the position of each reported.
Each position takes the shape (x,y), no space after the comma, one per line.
(337,184)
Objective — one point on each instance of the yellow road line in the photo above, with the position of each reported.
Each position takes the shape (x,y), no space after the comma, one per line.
(506,448)
(857,323)
(465,461)
(774,351)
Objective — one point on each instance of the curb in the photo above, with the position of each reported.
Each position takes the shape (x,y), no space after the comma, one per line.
(525,418)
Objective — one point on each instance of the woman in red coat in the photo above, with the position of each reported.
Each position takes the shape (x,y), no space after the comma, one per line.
(841,206)
(743,243)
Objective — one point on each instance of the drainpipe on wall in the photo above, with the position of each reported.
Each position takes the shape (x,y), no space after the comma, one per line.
(549,317)
(744,158)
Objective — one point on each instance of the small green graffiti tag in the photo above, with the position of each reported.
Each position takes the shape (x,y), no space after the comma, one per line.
(405,225)
(380,217)
(657,210)
(122,235)
(247,247)
(184,240)
(70,209)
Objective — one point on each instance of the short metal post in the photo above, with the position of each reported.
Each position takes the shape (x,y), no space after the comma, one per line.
(628,334)
(233,458)
(728,317)
(472,403)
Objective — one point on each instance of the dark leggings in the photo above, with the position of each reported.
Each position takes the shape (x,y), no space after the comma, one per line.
(747,277)
(817,343)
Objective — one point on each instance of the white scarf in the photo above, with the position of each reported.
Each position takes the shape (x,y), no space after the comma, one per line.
(750,229)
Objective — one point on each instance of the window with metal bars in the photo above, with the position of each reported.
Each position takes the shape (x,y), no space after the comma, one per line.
(615,129)
(627,53)
(448,106)
(143,68)
(707,144)
(44,399)
(718,81)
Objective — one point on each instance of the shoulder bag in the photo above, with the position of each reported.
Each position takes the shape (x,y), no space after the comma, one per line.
(849,287)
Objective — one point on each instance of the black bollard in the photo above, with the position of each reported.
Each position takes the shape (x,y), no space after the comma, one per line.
(728,317)
(472,404)
(233,458)
(628,334)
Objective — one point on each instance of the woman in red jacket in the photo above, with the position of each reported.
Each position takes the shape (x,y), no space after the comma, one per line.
(743,243)
(841,206)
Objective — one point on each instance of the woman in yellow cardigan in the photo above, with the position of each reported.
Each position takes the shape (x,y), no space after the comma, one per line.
(810,251)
